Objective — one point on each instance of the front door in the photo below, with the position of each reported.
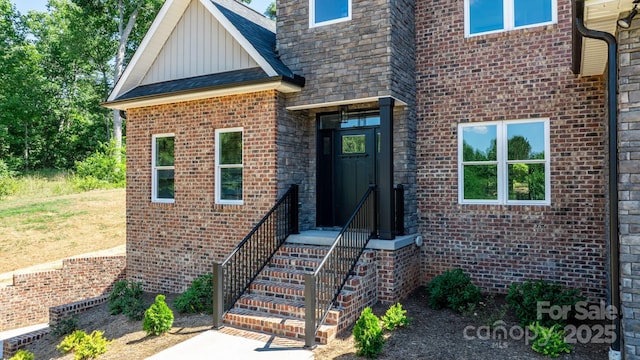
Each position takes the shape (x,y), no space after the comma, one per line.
(347,165)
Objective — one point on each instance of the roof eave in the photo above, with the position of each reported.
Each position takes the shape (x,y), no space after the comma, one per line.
(282,84)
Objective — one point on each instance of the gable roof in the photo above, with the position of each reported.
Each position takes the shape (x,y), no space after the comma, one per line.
(254,33)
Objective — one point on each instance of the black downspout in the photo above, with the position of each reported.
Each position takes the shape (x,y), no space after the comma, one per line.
(614,252)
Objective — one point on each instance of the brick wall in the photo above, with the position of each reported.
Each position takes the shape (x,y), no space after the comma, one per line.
(398,273)
(26,302)
(168,245)
(629,186)
(507,76)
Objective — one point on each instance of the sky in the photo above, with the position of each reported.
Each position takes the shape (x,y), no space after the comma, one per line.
(24,6)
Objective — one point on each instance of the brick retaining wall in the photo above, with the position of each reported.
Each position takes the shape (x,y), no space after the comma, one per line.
(27,301)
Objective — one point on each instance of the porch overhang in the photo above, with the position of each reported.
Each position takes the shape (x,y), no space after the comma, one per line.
(344,102)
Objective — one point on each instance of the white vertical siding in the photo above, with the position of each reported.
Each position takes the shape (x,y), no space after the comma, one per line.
(199,45)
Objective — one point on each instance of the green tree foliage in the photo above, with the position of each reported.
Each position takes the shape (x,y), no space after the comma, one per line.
(271,11)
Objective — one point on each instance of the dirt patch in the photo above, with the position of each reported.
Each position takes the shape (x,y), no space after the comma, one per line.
(440,334)
(433,334)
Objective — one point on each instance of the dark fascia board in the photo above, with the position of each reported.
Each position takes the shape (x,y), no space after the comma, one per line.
(577,10)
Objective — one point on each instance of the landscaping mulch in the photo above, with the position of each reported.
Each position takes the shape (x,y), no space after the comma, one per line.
(432,334)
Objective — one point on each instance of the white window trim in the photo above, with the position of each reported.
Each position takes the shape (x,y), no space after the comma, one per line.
(218,190)
(154,169)
(508,18)
(312,15)
(502,162)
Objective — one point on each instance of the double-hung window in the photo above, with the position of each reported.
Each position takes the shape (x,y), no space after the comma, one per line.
(229,166)
(504,162)
(488,16)
(325,12)
(163,168)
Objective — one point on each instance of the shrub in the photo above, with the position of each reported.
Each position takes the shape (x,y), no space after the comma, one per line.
(198,297)
(65,326)
(8,184)
(523,298)
(549,341)
(367,334)
(158,318)
(126,298)
(23,355)
(105,168)
(84,346)
(395,317)
(453,289)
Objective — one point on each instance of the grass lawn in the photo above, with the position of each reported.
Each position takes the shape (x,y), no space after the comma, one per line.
(46,220)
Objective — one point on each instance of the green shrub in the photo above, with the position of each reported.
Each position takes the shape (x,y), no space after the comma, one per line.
(453,289)
(105,168)
(395,317)
(8,184)
(523,298)
(65,326)
(549,340)
(367,334)
(158,318)
(126,298)
(198,297)
(23,355)
(84,346)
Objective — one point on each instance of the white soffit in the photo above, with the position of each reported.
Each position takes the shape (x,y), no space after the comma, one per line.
(600,15)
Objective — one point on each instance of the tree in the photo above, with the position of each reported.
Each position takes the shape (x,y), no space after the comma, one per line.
(271,11)
(124,22)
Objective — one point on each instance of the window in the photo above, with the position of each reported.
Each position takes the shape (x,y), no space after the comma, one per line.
(325,12)
(229,166)
(487,16)
(504,162)
(162,163)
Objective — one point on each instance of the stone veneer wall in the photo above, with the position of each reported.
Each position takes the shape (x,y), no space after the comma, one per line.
(27,300)
(512,75)
(629,186)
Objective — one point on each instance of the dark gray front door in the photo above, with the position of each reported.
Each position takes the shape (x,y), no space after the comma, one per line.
(355,169)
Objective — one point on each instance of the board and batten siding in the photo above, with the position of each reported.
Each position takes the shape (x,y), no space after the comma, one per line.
(199,45)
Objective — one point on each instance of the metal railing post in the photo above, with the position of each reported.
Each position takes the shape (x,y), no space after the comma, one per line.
(309,311)
(218,292)
(294,211)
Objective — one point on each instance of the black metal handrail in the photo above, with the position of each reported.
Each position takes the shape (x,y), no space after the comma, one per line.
(232,277)
(324,285)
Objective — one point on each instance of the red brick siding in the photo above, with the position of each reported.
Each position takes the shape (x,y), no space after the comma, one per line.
(511,75)
(168,245)
(26,302)
(398,273)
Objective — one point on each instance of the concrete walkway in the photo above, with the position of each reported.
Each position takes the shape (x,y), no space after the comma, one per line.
(215,344)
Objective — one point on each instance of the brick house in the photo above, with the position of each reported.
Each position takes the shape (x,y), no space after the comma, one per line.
(485,152)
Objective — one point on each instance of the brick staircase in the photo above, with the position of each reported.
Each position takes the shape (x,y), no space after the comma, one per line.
(274,303)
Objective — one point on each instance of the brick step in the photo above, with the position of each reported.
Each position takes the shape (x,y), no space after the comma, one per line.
(300,264)
(281,307)
(277,325)
(282,274)
(303,251)
(277,289)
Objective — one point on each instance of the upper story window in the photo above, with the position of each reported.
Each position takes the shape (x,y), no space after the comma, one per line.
(229,166)
(504,162)
(488,16)
(163,169)
(325,12)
